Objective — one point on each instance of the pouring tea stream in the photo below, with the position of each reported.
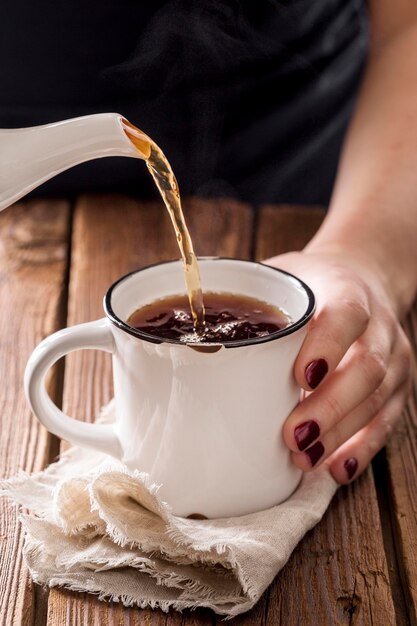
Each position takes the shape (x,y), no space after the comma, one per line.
(31,156)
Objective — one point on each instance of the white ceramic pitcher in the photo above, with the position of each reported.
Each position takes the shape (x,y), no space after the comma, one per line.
(31,156)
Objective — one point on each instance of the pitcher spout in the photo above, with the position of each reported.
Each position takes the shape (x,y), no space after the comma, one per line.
(31,156)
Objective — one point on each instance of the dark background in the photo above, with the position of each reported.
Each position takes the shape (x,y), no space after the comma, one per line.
(247,99)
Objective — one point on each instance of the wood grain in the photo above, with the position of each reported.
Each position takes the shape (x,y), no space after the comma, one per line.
(290,227)
(112,236)
(33,257)
(338,574)
(402,472)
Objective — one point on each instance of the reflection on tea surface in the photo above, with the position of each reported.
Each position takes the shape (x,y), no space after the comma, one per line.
(228,317)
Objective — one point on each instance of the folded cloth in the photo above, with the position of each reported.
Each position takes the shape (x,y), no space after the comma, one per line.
(96,526)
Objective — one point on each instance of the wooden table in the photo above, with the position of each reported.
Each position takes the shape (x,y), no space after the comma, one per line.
(358,566)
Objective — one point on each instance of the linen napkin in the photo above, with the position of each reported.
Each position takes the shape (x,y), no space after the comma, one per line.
(95,526)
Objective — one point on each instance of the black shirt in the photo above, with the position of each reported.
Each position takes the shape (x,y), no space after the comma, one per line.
(247,99)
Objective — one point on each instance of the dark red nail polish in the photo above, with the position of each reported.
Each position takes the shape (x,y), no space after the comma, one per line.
(315,372)
(306,433)
(315,452)
(350,465)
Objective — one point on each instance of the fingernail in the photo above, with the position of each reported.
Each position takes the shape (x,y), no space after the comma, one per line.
(351,465)
(315,452)
(315,372)
(306,433)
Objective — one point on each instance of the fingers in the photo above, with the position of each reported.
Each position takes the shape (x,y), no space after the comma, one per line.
(356,380)
(374,417)
(376,410)
(337,325)
(352,458)
(346,403)
(355,362)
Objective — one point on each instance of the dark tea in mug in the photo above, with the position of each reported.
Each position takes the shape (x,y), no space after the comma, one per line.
(228,317)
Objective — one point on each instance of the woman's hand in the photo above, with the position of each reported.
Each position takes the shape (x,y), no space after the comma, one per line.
(361,265)
(355,362)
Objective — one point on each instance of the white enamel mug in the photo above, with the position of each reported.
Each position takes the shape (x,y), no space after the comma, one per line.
(204,422)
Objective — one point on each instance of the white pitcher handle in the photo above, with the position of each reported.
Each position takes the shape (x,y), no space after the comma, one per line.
(96,335)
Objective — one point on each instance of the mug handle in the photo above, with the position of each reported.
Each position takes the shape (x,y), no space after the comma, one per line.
(96,335)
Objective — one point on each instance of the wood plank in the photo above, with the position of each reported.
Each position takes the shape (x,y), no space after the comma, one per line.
(402,468)
(33,257)
(286,228)
(112,236)
(338,574)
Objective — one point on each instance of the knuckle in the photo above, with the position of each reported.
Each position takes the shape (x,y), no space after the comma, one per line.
(374,367)
(358,308)
(327,333)
(373,445)
(336,436)
(376,401)
(334,409)
(385,430)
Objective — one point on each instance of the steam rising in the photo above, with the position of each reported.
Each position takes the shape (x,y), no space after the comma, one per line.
(254,95)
